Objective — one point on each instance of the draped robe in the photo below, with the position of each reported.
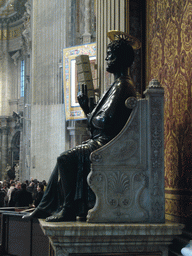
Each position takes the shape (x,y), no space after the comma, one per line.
(68,180)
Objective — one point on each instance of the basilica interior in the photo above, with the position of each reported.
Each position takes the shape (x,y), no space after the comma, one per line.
(39,40)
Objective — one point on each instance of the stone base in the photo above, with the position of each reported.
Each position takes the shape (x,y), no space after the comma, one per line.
(133,239)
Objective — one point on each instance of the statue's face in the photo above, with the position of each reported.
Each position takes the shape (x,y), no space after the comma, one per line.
(111,59)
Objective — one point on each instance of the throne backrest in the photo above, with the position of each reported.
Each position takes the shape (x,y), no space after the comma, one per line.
(127,174)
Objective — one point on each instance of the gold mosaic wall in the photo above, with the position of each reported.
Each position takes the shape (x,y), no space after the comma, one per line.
(169,59)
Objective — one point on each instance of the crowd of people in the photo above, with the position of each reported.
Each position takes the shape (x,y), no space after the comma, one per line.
(14,194)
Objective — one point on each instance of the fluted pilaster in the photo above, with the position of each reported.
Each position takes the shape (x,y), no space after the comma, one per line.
(49,20)
(4,147)
(111,15)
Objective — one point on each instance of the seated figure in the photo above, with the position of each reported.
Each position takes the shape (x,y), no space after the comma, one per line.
(105,121)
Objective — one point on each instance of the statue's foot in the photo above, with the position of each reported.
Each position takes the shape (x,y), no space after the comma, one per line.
(37,213)
(66,214)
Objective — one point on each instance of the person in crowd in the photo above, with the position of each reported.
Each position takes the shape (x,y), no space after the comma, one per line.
(5,188)
(44,184)
(2,195)
(39,195)
(14,194)
(34,193)
(68,180)
(30,186)
(24,197)
(12,186)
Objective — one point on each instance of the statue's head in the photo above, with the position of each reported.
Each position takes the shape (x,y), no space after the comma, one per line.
(120,53)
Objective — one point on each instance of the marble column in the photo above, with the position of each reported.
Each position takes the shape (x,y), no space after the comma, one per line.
(49,36)
(87,35)
(4,149)
(111,15)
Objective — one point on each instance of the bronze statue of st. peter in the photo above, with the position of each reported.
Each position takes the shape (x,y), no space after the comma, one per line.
(105,121)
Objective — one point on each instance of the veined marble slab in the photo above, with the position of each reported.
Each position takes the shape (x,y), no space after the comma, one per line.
(82,237)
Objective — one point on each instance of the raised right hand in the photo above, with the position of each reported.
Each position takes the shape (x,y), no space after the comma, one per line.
(82,98)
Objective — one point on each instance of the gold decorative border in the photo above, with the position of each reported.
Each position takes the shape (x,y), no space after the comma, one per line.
(69,54)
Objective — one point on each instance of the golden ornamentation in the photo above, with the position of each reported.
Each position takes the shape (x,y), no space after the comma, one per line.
(169,59)
(171,162)
(179,98)
(156,57)
(186,29)
(171,43)
(116,35)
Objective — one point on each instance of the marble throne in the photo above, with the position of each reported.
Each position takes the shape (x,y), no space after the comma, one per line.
(127,174)
(127,177)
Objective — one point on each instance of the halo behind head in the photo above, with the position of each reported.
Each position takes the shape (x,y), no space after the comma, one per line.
(117,35)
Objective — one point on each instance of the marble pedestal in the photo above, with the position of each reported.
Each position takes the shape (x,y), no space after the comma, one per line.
(70,238)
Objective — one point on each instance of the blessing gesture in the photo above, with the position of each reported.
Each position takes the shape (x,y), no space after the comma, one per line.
(83,100)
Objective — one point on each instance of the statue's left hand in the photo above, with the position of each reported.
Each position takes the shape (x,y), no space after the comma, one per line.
(83,98)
